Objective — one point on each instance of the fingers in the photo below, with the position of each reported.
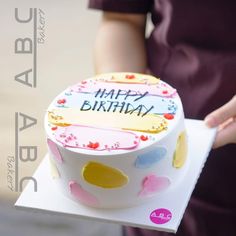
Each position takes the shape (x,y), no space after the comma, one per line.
(226,135)
(225,119)
(220,115)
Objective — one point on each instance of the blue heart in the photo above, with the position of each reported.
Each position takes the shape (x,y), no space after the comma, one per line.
(148,159)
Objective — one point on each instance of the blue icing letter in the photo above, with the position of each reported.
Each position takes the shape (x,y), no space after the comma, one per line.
(148,159)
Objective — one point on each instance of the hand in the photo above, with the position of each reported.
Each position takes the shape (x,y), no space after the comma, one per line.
(225,119)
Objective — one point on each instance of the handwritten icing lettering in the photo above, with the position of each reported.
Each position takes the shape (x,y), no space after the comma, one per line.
(117,105)
(162,106)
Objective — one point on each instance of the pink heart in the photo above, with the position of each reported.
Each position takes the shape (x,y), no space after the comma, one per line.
(82,195)
(152,184)
(53,147)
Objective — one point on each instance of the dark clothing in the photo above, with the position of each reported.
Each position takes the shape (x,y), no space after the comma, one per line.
(193,48)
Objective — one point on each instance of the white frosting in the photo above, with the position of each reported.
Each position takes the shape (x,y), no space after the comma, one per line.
(115,130)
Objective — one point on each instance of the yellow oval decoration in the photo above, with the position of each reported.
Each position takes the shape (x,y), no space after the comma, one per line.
(104,176)
(181,150)
(149,123)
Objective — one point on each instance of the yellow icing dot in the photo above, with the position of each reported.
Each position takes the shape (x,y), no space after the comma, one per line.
(53,169)
(104,176)
(149,123)
(181,150)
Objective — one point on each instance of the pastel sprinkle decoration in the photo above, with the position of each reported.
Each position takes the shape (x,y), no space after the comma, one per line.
(54,171)
(104,176)
(144,137)
(130,76)
(149,159)
(55,152)
(82,195)
(93,145)
(180,154)
(152,184)
(169,116)
(61,101)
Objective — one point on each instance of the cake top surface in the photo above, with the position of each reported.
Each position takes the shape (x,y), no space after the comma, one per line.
(113,113)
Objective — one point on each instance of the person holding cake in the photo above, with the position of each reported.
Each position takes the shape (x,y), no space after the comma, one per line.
(191,47)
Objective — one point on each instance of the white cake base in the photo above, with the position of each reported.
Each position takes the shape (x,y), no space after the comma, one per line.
(174,202)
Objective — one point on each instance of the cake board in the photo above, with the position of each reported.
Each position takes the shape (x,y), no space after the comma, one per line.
(163,213)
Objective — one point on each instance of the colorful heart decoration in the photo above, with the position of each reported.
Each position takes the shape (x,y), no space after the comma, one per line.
(55,152)
(152,184)
(149,159)
(82,195)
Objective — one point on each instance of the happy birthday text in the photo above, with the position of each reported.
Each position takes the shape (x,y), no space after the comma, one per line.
(116,101)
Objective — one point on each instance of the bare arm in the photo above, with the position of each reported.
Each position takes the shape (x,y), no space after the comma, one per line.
(120,43)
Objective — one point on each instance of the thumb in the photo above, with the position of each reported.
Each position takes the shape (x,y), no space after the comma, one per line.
(222,114)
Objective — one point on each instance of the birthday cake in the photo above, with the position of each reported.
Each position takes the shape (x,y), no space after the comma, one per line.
(116,140)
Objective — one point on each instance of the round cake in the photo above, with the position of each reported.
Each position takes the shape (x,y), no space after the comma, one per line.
(116,140)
